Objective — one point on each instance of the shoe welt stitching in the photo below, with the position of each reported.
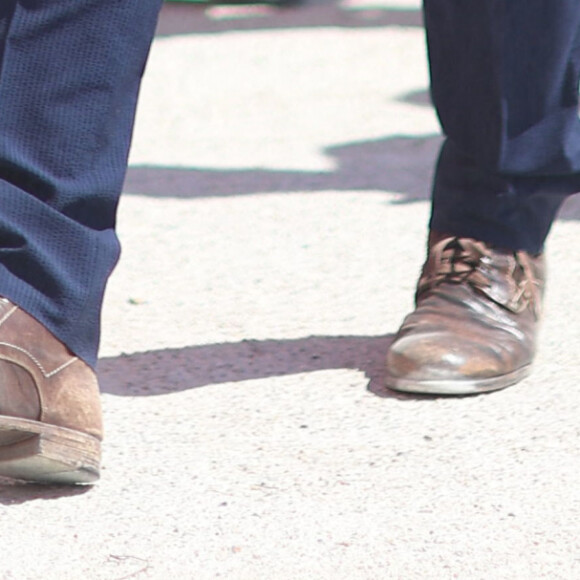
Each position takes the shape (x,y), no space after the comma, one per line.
(46,374)
(8,315)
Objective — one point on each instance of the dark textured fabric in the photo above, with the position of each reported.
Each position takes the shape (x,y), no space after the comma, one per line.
(504,78)
(69,76)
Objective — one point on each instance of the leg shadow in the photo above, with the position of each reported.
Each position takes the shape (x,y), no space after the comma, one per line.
(173,370)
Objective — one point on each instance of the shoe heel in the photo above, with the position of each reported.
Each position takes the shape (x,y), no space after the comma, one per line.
(42,453)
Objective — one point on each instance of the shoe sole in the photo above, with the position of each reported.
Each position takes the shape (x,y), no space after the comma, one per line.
(47,454)
(454,387)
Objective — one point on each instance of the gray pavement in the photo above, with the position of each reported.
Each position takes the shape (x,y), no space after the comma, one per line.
(273,227)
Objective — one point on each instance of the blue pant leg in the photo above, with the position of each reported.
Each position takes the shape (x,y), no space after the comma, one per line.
(504,80)
(70,72)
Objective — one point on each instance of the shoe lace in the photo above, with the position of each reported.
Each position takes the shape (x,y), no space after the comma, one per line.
(467,261)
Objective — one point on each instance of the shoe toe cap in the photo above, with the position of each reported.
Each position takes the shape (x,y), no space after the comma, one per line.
(443,356)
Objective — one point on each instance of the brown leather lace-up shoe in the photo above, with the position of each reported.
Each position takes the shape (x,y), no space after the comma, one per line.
(474,326)
(50,414)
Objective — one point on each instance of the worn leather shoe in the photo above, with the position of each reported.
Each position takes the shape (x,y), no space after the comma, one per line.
(50,414)
(474,326)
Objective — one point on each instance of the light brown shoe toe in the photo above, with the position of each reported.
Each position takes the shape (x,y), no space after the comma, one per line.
(50,413)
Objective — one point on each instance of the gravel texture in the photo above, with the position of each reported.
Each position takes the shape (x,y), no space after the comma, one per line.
(273,227)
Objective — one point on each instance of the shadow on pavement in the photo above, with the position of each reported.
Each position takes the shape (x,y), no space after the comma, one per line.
(570,209)
(173,370)
(399,164)
(176,18)
(15,493)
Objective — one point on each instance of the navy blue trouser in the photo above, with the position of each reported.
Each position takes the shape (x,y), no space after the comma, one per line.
(504,80)
(69,77)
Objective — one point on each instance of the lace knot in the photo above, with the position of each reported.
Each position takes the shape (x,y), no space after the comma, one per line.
(507,278)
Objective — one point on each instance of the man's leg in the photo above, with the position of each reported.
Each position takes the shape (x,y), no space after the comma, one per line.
(69,77)
(504,76)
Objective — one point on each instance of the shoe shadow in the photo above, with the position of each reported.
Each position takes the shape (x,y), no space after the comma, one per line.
(15,493)
(174,370)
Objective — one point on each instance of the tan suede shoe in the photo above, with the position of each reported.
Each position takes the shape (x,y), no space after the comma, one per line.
(50,414)
(474,326)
